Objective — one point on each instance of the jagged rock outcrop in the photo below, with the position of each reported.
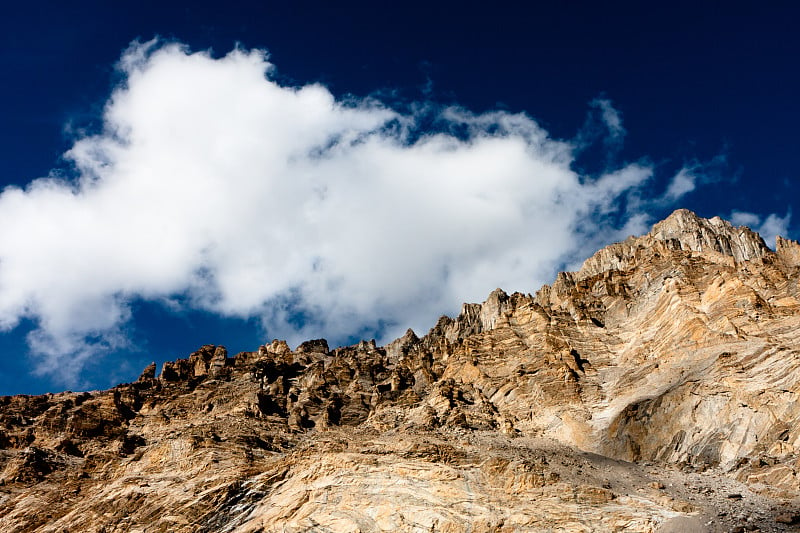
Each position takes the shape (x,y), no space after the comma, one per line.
(655,389)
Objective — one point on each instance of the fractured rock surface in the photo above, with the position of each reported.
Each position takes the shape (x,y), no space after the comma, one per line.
(655,389)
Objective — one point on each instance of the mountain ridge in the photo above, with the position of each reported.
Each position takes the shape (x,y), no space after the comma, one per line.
(641,390)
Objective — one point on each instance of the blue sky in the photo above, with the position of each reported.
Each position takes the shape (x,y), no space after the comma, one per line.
(176,175)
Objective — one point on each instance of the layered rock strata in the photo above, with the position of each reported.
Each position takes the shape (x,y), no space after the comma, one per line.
(655,389)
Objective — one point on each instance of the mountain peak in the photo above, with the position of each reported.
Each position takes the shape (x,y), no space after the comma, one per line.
(680,356)
(684,230)
(681,230)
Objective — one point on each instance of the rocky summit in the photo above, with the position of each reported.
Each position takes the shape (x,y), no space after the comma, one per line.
(656,389)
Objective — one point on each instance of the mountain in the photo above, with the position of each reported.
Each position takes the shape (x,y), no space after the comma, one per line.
(655,389)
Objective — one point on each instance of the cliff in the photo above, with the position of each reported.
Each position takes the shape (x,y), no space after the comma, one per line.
(656,389)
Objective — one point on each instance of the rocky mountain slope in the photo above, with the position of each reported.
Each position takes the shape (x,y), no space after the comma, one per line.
(656,389)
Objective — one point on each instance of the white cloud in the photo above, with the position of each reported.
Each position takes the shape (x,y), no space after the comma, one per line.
(214,185)
(768,227)
(741,218)
(612,119)
(682,183)
(603,123)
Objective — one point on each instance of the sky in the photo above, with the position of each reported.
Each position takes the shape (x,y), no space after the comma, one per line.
(179,174)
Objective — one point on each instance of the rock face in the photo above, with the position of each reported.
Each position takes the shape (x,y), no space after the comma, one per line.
(656,389)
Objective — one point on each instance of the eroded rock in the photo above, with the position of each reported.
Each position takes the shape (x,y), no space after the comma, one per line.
(632,395)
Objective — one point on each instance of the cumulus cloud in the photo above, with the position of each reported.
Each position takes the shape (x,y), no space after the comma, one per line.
(211,186)
(768,227)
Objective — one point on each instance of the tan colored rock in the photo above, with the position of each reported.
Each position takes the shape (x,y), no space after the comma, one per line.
(788,251)
(632,395)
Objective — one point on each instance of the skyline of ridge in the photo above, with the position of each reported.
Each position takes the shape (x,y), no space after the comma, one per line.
(675,222)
